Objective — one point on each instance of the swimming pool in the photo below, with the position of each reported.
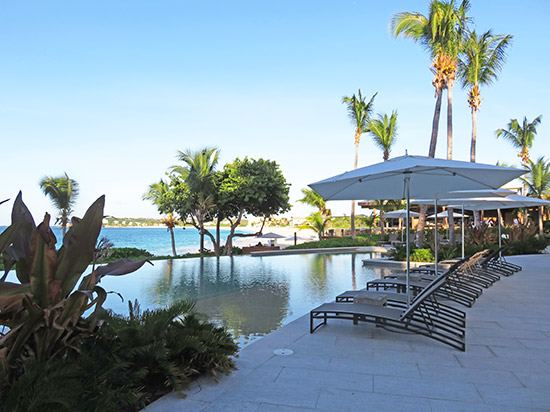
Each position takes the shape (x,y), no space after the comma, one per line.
(250,296)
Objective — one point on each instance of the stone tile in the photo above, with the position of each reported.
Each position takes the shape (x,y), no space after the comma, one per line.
(355,401)
(438,405)
(274,393)
(521,353)
(231,406)
(533,380)
(513,365)
(267,407)
(326,379)
(521,397)
(424,388)
(454,374)
(172,402)
(375,367)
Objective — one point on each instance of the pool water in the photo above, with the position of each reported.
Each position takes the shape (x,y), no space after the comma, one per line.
(250,296)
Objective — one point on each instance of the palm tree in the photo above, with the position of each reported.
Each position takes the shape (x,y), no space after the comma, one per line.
(537,182)
(317,222)
(312,198)
(440,33)
(359,112)
(384,132)
(521,136)
(63,192)
(155,194)
(482,60)
(198,173)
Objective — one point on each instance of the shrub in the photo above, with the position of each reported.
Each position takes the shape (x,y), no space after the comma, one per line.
(334,242)
(422,255)
(129,253)
(528,246)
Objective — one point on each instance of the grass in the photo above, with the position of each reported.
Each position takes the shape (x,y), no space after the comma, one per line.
(335,242)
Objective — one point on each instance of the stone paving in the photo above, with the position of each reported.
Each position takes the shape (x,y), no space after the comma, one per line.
(342,367)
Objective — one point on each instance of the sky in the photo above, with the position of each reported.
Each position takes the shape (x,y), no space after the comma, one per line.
(108,92)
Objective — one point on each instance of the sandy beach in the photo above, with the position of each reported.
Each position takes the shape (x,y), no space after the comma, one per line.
(303,235)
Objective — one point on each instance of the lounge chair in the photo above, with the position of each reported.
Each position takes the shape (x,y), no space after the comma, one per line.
(424,316)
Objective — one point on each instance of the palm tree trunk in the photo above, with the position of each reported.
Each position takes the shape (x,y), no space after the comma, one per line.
(420,236)
(477,214)
(352,228)
(64,220)
(171,229)
(541,226)
(451,219)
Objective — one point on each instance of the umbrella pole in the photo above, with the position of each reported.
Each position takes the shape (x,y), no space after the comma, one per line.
(435,236)
(462,230)
(407,183)
(499,234)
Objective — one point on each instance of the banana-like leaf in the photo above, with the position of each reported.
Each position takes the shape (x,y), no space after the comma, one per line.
(21,244)
(11,294)
(120,267)
(43,258)
(78,246)
(6,239)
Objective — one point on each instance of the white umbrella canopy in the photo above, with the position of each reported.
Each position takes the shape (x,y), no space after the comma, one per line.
(492,203)
(270,235)
(399,214)
(428,178)
(419,176)
(445,215)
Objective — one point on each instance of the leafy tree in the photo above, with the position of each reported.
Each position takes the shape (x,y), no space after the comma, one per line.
(384,132)
(538,183)
(482,59)
(312,198)
(359,112)
(197,175)
(155,194)
(317,222)
(63,192)
(252,187)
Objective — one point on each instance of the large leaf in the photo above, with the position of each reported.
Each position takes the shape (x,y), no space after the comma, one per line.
(21,216)
(6,239)
(120,267)
(43,265)
(12,293)
(78,246)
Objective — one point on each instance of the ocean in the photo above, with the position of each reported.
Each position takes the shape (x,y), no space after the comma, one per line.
(153,239)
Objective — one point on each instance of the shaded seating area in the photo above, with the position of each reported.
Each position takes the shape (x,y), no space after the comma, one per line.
(425,315)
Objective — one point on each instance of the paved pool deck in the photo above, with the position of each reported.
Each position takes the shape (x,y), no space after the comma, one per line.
(342,367)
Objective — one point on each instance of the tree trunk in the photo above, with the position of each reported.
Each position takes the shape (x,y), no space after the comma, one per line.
(474,135)
(217,245)
(381,224)
(171,229)
(541,225)
(420,236)
(352,228)
(451,219)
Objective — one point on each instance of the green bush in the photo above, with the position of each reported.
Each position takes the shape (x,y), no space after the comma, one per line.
(130,361)
(334,242)
(528,246)
(129,253)
(416,255)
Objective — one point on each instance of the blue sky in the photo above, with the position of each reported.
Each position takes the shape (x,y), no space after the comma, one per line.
(110,91)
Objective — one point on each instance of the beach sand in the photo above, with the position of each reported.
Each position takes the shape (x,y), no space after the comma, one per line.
(304,235)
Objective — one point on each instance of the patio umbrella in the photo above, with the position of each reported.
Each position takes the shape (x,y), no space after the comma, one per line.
(399,214)
(271,235)
(419,176)
(445,214)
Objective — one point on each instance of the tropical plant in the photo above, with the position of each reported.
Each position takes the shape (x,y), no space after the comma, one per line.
(156,194)
(537,182)
(198,175)
(43,318)
(384,132)
(520,136)
(317,222)
(312,198)
(63,192)
(440,33)
(359,112)
(481,60)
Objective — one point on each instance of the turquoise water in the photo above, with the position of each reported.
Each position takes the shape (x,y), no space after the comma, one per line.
(251,296)
(154,239)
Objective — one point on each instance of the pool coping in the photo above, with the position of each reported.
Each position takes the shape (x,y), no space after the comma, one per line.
(351,249)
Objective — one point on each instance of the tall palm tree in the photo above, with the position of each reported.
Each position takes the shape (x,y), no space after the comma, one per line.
(155,194)
(482,59)
(198,172)
(440,33)
(312,198)
(384,132)
(521,136)
(359,112)
(538,183)
(63,192)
